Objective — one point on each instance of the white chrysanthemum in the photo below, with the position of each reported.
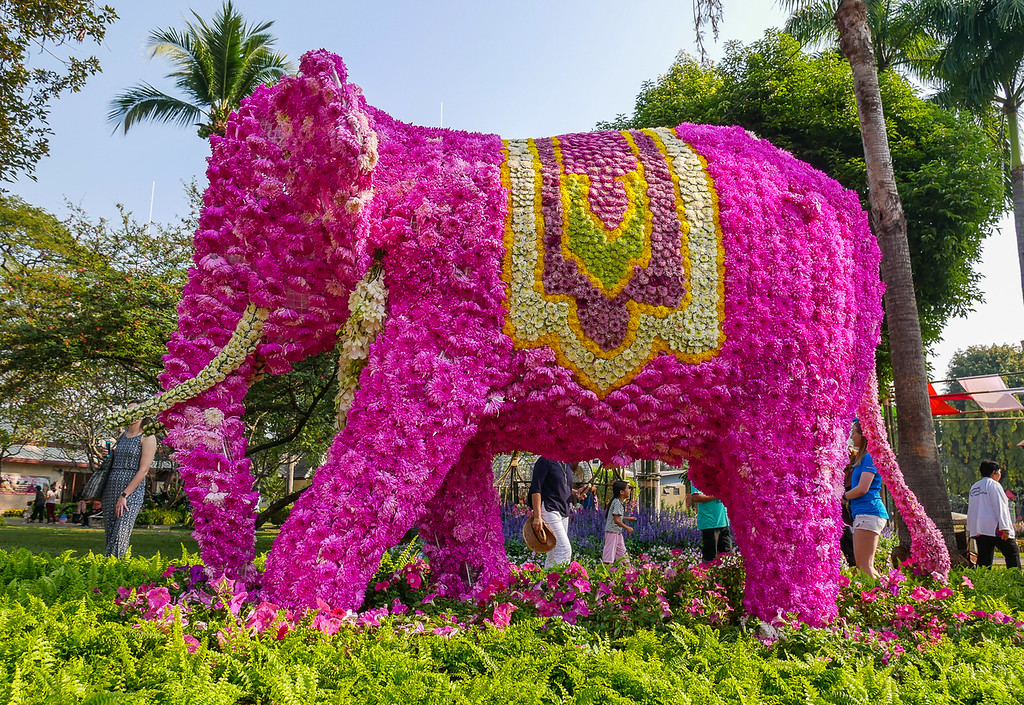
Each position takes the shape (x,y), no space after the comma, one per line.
(213,417)
(367,310)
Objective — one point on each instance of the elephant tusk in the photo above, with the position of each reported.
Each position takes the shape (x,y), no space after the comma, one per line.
(243,342)
(367,305)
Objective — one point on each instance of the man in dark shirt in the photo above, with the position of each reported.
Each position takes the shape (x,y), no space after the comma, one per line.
(550,490)
(38,505)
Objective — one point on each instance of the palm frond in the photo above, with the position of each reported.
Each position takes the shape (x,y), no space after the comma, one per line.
(813,23)
(215,65)
(983,57)
(144,102)
(190,58)
(260,68)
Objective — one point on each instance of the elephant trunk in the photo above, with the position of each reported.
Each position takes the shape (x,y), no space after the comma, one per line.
(242,343)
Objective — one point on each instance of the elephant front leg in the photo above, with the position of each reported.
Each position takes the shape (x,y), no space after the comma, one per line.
(461,527)
(208,433)
(408,425)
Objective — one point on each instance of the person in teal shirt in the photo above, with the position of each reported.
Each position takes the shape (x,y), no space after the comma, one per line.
(713,522)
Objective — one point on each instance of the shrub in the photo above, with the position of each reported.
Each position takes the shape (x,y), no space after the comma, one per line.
(94,629)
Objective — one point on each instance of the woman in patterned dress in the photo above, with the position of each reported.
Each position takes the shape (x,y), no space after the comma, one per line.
(126,486)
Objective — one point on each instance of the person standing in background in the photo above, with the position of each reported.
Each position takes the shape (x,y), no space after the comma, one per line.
(51,505)
(126,486)
(989,520)
(866,506)
(38,505)
(713,522)
(550,491)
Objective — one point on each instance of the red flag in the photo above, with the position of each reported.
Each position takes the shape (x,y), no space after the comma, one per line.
(939,407)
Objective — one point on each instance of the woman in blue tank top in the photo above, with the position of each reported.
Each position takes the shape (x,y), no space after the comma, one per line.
(865,496)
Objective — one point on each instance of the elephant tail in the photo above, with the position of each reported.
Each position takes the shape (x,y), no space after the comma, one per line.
(927,549)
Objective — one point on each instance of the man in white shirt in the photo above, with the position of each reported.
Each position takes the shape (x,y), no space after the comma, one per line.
(51,505)
(989,519)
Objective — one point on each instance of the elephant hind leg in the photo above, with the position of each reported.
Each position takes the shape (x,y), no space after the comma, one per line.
(461,527)
(783,505)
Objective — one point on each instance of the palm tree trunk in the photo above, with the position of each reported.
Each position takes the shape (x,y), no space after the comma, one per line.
(1016,180)
(918,455)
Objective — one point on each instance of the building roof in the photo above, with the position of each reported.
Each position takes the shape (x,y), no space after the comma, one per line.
(48,455)
(71,458)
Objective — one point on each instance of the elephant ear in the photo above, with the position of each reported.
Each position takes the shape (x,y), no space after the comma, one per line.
(288,185)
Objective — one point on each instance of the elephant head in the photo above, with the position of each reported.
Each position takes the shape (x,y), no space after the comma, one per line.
(282,241)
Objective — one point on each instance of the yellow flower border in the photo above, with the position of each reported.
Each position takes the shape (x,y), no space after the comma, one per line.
(693,332)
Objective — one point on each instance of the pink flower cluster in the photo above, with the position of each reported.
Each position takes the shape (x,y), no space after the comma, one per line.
(899,612)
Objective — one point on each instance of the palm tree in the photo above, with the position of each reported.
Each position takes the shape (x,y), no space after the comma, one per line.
(918,453)
(216,66)
(981,67)
(898,37)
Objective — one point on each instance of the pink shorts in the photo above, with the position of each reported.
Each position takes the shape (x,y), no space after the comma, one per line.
(614,548)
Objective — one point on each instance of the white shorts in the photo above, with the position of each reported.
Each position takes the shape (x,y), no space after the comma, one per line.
(869,522)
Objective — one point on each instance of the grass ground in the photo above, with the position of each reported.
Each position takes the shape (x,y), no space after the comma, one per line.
(43,538)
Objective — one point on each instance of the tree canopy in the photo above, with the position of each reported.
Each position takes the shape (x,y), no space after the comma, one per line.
(946,168)
(37,64)
(80,291)
(981,68)
(898,34)
(86,308)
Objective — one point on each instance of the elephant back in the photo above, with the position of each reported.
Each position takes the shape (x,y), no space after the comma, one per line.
(616,251)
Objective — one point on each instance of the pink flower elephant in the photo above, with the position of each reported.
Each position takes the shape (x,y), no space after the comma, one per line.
(690,293)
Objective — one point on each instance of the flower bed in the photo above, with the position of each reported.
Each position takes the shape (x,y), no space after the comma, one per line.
(654,532)
(665,631)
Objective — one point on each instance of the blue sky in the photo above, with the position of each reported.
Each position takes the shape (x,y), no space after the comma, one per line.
(519,69)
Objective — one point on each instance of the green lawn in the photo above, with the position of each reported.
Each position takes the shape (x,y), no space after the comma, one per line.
(42,538)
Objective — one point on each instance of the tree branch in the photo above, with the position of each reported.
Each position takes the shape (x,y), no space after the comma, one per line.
(298,428)
(277,506)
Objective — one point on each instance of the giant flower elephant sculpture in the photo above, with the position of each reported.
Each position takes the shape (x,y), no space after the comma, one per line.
(689,293)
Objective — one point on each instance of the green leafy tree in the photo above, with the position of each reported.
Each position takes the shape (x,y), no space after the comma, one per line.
(86,308)
(945,166)
(36,66)
(217,64)
(918,454)
(80,291)
(981,66)
(966,440)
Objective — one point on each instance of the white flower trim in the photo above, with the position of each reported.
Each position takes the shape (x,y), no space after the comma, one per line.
(243,342)
(691,331)
(367,307)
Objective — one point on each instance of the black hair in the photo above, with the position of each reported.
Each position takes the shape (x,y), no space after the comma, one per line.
(862,449)
(617,487)
(988,467)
